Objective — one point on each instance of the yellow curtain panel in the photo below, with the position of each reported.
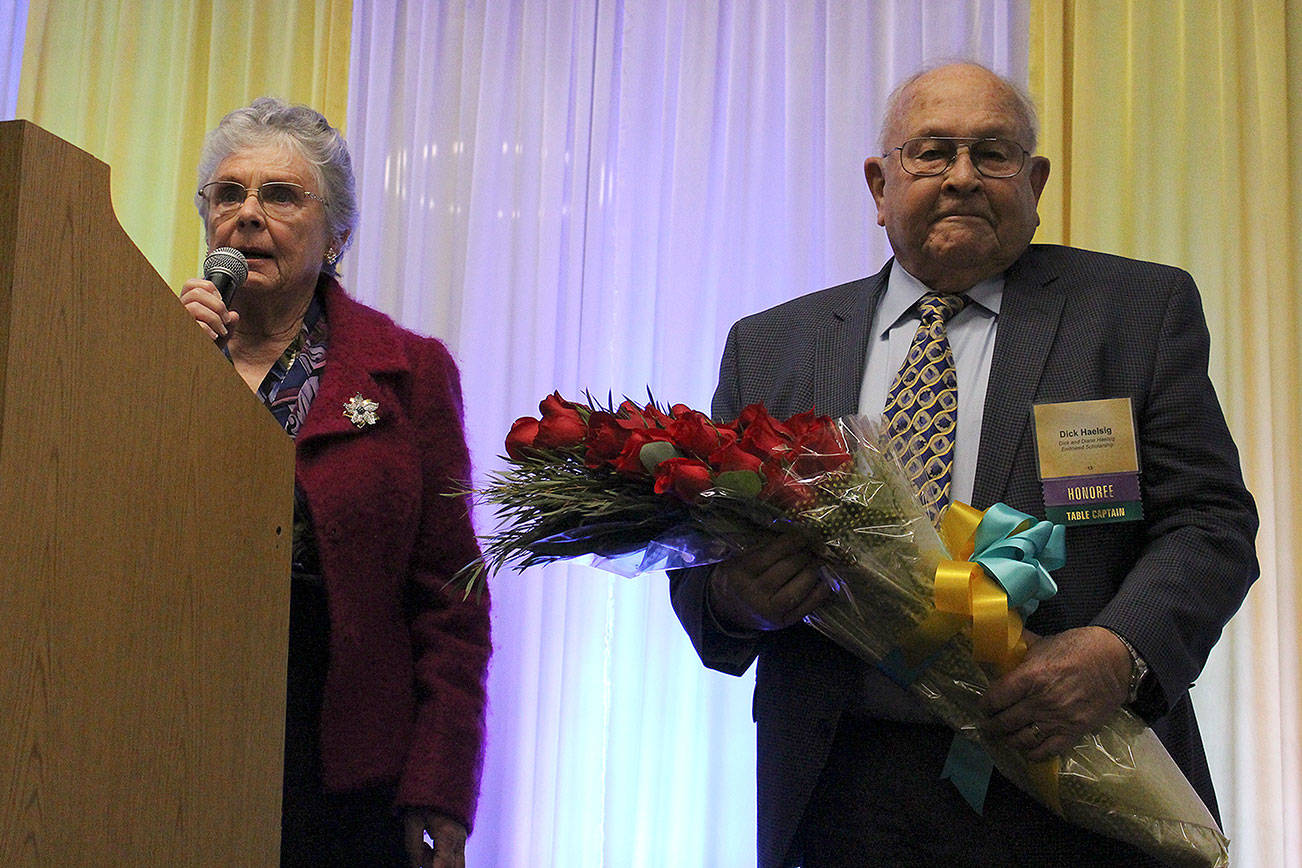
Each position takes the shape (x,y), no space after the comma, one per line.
(137,83)
(1172,129)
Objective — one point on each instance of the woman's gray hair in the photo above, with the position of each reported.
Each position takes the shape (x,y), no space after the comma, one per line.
(268,120)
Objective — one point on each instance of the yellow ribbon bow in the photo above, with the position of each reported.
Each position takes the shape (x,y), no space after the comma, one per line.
(999,569)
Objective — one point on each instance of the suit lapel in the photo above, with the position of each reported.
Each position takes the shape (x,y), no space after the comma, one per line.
(841,349)
(1029,315)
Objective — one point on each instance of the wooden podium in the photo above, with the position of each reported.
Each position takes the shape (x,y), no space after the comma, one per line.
(145,523)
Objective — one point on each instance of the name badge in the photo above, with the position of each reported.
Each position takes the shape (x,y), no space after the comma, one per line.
(1089,461)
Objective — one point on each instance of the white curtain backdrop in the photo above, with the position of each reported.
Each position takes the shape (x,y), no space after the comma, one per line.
(585,194)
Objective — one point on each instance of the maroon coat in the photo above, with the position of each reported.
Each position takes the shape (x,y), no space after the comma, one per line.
(404,693)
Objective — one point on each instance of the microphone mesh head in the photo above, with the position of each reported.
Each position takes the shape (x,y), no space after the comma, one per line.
(227,261)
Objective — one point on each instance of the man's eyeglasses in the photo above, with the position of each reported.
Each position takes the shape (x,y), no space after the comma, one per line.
(278,198)
(929,156)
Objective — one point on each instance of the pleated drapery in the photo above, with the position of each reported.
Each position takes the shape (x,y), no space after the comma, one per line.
(584,194)
(1173,128)
(137,83)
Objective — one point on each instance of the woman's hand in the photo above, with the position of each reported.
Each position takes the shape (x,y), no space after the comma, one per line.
(448,835)
(204,303)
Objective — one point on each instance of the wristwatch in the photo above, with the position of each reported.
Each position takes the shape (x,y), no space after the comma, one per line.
(1138,669)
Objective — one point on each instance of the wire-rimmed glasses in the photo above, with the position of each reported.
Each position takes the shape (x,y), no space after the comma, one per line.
(279,199)
(928,156)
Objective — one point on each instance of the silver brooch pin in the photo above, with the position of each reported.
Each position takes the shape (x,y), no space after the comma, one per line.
(361,411)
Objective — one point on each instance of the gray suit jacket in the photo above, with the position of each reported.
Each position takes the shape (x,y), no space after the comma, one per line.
(1073,325)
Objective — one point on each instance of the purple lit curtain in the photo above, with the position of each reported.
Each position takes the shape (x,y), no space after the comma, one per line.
(585,194)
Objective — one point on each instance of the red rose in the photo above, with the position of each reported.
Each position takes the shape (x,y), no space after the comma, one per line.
(750,414)
(766,437)
(605,439)
(554,403)
(733,457)
(629,460)
(784,488)
(520,440)
(630,416)
(685,478)
(802,423)
(635,417)
(561,430)
(811,465)
(561,425)
(651,411)
(819,444)
(695,434)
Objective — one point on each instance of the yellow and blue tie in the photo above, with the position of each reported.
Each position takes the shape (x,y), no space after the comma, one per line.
(921,412)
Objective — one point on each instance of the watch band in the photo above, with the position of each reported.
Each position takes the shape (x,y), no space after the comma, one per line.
(1138,669)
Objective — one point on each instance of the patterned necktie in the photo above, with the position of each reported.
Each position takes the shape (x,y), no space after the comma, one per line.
(922,407)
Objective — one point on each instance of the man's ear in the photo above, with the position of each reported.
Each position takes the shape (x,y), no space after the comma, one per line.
(874,171)
(1039,175)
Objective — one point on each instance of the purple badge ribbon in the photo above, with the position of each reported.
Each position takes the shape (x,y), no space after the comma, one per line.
(1102,488)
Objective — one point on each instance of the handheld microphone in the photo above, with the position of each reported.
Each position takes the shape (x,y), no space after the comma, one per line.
(227,268)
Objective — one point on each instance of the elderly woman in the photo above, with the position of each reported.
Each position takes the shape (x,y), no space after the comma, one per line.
(384,723)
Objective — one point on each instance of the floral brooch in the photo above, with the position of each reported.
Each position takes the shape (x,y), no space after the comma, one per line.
(361,411)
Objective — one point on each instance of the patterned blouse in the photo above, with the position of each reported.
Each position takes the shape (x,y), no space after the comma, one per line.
(288,390)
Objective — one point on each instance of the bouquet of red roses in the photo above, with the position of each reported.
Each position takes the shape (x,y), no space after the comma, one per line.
(643,488)
(635,481)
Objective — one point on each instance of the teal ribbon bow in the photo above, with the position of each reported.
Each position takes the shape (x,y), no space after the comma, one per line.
(1020,559)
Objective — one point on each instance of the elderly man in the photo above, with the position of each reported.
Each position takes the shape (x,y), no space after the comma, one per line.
(1023,335)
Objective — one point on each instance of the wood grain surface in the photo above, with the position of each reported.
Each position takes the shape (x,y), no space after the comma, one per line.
(145,509)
